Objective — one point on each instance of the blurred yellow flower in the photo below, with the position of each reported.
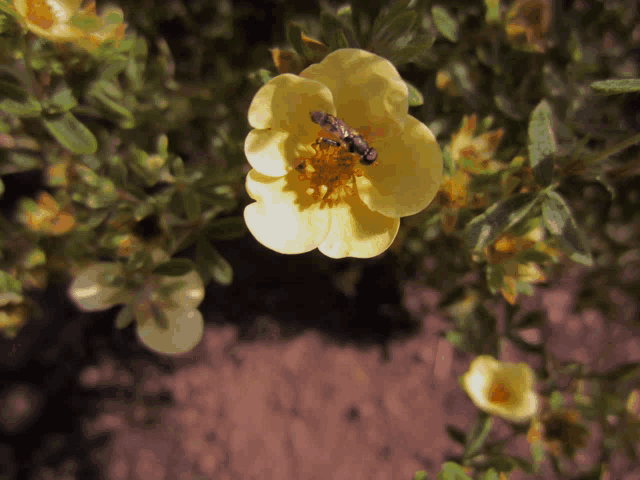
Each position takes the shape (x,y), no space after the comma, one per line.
(528,22)
(503,389)
(13,311)
(90,292)
(65,21)
(45,215)
(470,154)
(504,252)
(315,194)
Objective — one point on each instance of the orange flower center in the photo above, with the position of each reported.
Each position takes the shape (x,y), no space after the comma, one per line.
(499,393)
(39,13)
(331,172)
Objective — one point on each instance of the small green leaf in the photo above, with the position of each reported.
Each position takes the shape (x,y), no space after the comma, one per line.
(176,267)
(226,229)
(212,264)
(395,26)
(538,454)
(159,317)
(415,97)
(556,400)
(484,229)
(333,29)
(20,162)
(294,36)
(445,23)
(495,277)
(124,317)
(192,204)
(448,166)
(63,99)
(542,143)
(452,471)
(614,86)
(560,222)
(623,372)
(458,339)
(478,435)
(1,187)
(15,100)
(491,474)
(421,475)
(71,133)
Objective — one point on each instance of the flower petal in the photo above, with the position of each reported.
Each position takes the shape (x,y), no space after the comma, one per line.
(88,293)
(284,103)
(408,175)
(184,332)
(283,219)
(270,152)
(367,90)
(358,232)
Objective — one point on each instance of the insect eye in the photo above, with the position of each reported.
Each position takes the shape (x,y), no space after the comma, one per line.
(371,155)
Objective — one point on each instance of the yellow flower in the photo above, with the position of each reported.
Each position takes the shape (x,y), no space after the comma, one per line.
(528,22)
(45,215)
(503,389)
(312,194)
(185,323)
(13,311)
(472,152)
(65,21)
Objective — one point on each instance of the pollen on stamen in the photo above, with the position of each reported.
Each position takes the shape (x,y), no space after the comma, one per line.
(330,172)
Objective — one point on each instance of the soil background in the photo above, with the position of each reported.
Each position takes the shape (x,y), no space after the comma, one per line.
(303,373)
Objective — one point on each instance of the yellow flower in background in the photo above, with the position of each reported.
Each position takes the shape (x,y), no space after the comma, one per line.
(13,312)
(528,22)
(45,215)
(470,154)
(314,194)
(504,252)
(185,325)
(503,389)
(65,21)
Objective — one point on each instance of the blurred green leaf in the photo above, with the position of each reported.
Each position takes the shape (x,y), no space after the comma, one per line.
(542,143)
(445,23)
(523,344)
(479,434)
(15,100)
(63,100)
(448,166)
(560,222)
(614,86)
(333,30)
(457,339)
(495,278)
(452,471)
(159,317)
(124,317)
(176,267)
(491,474)
(9,284)
(212,264)
(484,229)
(192,204)
(623,373)
(226,229)
(421,475)
(394,27)
(294,36)
(15,161)
(415,97)
(71,133)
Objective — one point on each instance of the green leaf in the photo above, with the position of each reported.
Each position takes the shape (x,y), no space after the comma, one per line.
(542,143)
(538,454)
(458,339)
(109,96)
(479,435)
(294,36)
(176,267)
(484,229)
(71,133)
(452,471)
(192,204)
(333,29)
(556,400)
(560,222)
(159,317)
(623,373)
(448,166)
(19,162)
(495,278)
(395,26)
(421,475)
(15,100)
(491,474)
(614,86)
(415,97)
(63,100)
(445,23)
(124,317)
(226,229)
(1,187)
(213,264)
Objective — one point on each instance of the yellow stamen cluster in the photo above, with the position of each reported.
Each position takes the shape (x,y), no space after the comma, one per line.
(331,172)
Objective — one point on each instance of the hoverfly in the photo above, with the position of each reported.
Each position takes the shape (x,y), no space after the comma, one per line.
(353,140)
